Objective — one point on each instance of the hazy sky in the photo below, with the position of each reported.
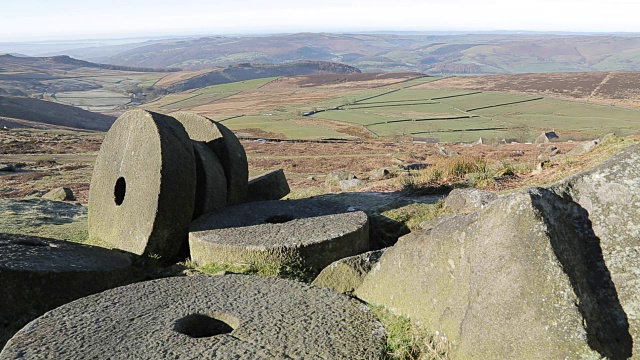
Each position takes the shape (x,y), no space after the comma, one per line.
(47,19)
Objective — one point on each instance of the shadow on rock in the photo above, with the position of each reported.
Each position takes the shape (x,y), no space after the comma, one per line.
(578,250)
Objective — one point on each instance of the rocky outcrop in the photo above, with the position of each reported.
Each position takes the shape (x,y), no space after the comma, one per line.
(468,200)
(548,271)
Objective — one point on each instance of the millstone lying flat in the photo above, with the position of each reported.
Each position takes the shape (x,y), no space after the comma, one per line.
(39,274)
(205,317)
(211,184)
(143,185)
(226,146)
(303,234)
(272,185)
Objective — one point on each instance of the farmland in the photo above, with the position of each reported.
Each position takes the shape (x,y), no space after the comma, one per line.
(353,106)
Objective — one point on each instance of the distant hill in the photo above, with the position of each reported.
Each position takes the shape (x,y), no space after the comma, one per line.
(14,63)
(431,54)
(241,72)
(45,112)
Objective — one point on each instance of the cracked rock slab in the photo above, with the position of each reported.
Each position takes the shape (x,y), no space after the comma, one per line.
(38,274)
(205,317)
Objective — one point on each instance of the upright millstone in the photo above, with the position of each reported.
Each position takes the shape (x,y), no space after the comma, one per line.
(211,184)
(226,146)
(142,190)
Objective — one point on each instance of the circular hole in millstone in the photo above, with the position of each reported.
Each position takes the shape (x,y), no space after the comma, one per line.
(201,326)
(279,219)
(119,191)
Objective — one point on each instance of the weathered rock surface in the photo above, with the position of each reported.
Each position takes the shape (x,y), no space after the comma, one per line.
(202,317)
(227,148)
(552,269)
(334,177)
(350,184)
(611,194)
(380,174)
(142,190)
(272,185)
(59,194)
(305,234)
(211,183)
(39,274)
(584,147)
(522,277)
(346,275)
(468,200)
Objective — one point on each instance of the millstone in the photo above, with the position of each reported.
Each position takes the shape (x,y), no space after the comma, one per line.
(226,146)
(305,235)
(39,274)
(272,185)
(142,190)
(205,317)
(211,184)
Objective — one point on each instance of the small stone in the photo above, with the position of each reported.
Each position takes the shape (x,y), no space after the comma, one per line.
(350,184)
(380,174)
(60,194)
(346,275)
(334,177)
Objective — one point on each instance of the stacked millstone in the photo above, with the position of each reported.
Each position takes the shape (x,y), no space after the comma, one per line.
(40,274)
(155,173)
(205,317)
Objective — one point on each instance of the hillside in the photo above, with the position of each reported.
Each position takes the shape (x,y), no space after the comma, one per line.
(432,54)
(246,71)
(12,63)
(46,112)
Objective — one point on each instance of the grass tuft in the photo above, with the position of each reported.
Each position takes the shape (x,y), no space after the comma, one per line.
(408,341)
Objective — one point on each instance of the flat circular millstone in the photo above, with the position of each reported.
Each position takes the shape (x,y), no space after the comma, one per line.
(211,184)
(306,235)
(39,274)
(205,317)
(226,146)
(142,190)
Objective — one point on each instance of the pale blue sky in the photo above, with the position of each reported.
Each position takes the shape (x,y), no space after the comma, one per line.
(47,19)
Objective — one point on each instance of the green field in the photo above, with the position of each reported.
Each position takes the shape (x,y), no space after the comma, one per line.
(402,110)
(289,128)
(565,115)
(236,86)
(93,99)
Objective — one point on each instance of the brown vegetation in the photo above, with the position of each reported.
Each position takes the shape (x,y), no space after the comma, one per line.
(611,88)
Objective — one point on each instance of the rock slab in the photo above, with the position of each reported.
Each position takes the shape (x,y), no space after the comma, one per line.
(39,274)
(205,317)
(524,276)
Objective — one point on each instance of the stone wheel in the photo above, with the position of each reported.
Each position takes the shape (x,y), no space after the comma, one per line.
(142,190)
(226,146)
